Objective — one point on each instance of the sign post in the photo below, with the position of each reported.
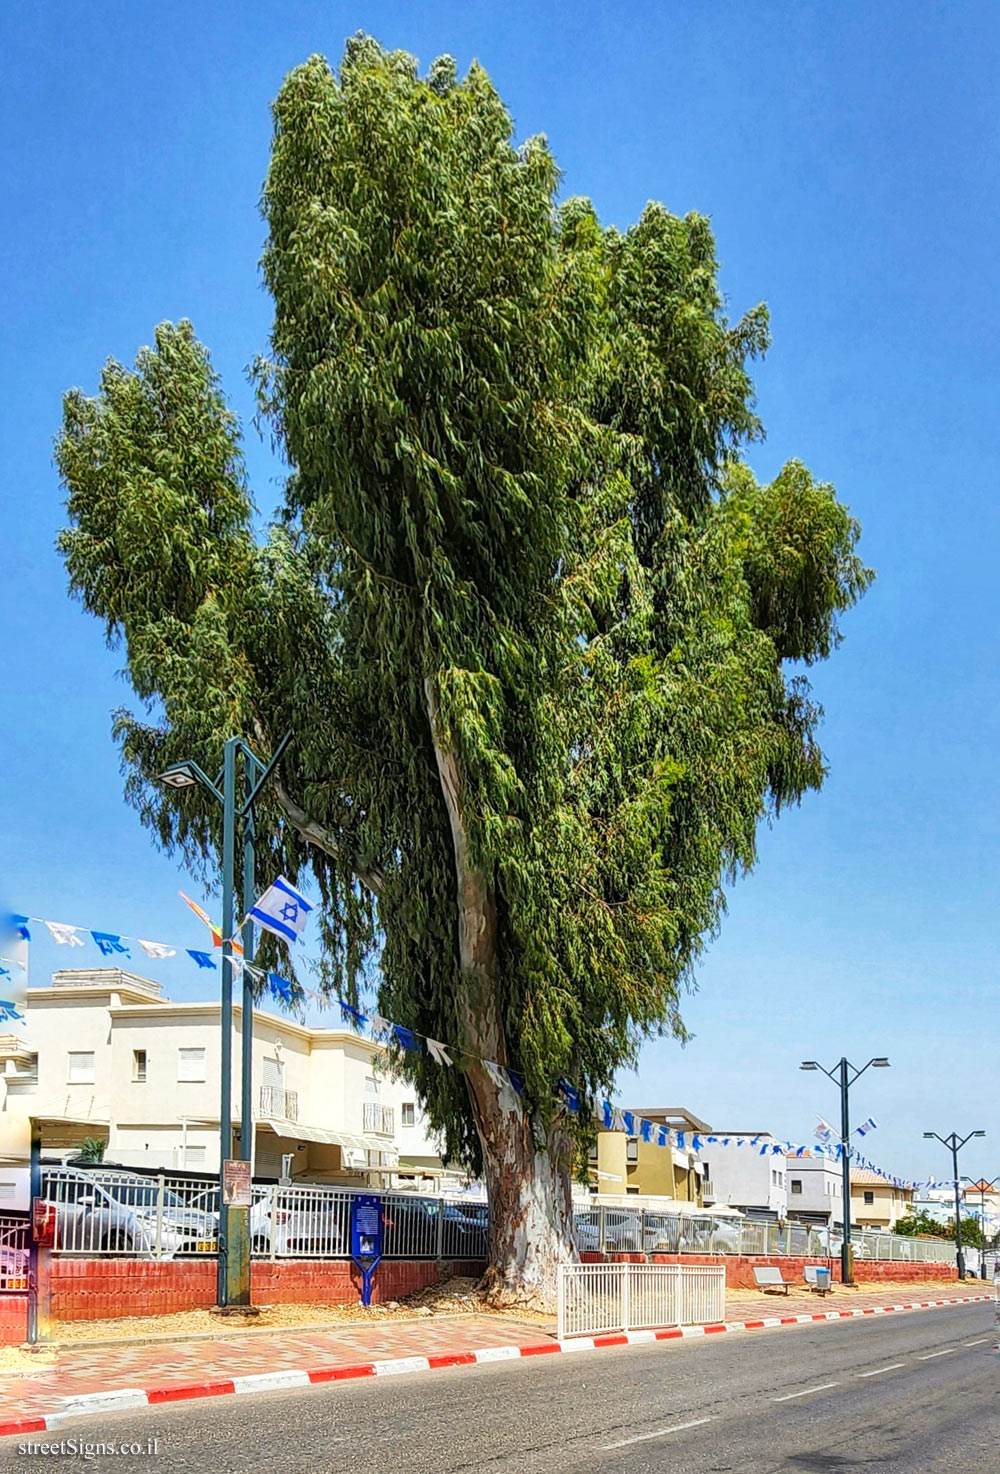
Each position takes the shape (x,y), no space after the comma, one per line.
(366,1239)
(237,1195)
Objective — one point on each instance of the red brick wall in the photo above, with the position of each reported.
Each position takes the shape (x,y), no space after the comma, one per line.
(868,1270)
(13,1319)
(98,1289)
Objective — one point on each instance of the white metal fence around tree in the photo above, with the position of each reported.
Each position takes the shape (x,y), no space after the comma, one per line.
(593,1299)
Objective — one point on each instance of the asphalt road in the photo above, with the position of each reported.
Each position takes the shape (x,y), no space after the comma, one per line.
(915,1393)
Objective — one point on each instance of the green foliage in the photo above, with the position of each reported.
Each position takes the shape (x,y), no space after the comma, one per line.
(922,1225)
(514,442)
(972,1231)
(89,1152)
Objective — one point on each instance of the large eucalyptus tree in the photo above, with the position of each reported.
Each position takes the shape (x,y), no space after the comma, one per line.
(534,624)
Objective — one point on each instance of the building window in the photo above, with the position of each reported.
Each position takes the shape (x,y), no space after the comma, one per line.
(796,1186)
(371,1086)
(409,1117)
(8,1192)
(190,1064)
(138,1064)
(81,1067)
(194,1156)
(631,1189)
(632,1149)
(705,1170)
(869,1198)
(592,1152)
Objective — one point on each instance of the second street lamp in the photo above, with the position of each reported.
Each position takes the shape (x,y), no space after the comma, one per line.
(955,1145)
(233,1279)
(982,1187)
(844,1075)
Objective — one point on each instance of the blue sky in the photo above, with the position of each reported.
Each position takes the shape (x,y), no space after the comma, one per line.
(848,158)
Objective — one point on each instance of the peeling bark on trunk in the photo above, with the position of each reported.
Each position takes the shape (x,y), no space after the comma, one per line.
(527,1162)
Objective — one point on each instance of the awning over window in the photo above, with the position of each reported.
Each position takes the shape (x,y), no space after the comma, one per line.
(296,1131)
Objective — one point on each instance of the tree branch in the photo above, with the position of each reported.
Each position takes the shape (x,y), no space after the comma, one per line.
(316,834)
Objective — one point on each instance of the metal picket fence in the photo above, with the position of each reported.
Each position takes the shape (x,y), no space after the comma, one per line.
(108,1211)
(605,1229)
(597,1298)
(103,1210)
(13,1255)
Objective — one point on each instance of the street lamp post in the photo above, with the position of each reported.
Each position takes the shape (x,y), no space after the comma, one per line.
(955,1145)
(982,1187)
(844,1075)
(233,1278)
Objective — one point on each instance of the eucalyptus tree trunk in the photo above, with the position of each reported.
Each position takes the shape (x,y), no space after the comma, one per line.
(527,1161)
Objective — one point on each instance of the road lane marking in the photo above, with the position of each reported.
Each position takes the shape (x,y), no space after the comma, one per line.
(981,1342)
(946,1352)
(879,1370)
(789,1395)
(660,1433)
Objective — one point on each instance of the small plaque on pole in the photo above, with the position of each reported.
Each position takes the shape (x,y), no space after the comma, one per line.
(236,1188)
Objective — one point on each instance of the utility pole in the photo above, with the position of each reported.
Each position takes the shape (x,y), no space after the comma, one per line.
(843,1076)
(955,1145)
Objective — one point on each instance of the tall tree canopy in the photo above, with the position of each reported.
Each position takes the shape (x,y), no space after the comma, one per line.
(534,623)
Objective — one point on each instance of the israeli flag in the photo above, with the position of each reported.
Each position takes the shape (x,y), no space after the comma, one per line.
(282,910)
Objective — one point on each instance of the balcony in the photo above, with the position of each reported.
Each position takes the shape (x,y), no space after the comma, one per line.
(379,1119)
(707,1190)
(279,1104)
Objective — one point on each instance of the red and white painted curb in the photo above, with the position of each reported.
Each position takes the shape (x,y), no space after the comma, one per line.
(120,1398)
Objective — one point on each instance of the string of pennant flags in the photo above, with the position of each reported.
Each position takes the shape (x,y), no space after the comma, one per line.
(283,911)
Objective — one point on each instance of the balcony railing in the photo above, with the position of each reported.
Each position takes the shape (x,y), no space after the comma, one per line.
(379,1118)
(707,1190)
(282,1105)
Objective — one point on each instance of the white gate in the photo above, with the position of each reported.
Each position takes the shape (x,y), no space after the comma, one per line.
(596,1298)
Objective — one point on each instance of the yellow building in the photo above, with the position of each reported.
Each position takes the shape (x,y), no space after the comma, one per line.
(876,1203)
(626,1164)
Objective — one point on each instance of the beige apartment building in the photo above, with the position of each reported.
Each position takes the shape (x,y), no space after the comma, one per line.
(876,1203)
(104,1054)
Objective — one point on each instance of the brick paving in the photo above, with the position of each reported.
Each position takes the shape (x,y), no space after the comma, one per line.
(83,1368)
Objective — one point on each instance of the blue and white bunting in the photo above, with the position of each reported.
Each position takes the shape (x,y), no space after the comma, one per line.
(109,944)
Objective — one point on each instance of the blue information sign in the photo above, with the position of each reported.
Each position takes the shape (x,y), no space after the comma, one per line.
(366,1238)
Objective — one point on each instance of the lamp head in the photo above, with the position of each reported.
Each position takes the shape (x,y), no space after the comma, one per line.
(881,1063)
(930,1135)
(979,1133)
(178,775)
(808,1064)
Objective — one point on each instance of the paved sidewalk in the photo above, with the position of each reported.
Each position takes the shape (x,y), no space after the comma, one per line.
(746,1304)
(81,1368)
(203,1366)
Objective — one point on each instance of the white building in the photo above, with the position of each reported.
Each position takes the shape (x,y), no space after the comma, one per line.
(746,1177)
(815,1190)
(105,1054)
